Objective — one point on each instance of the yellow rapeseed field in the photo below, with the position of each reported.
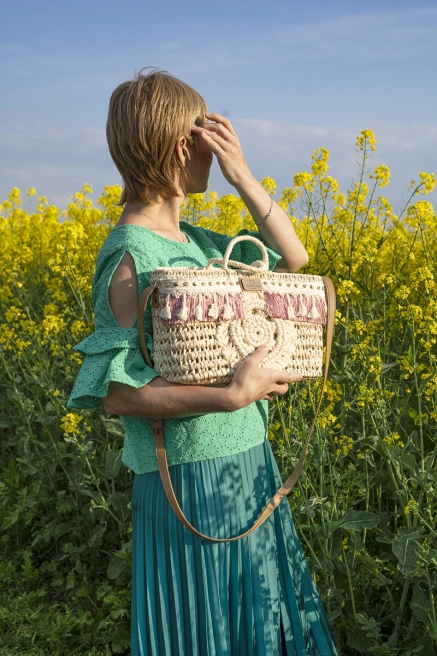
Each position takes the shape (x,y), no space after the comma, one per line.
(366,506)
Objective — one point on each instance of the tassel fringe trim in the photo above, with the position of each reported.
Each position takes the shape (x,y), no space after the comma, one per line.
(226,307)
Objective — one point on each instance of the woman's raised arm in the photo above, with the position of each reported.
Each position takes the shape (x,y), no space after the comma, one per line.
(277,231)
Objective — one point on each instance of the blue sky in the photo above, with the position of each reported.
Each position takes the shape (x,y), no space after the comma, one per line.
(291,76)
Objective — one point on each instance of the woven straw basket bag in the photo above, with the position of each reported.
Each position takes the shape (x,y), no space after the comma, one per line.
(206,320)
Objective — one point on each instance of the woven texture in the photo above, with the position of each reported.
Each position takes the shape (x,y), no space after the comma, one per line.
(205,322)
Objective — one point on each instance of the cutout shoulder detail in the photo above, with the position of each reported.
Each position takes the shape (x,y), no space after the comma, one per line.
(123,292)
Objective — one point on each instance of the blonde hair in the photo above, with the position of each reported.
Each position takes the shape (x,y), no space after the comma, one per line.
(146,116)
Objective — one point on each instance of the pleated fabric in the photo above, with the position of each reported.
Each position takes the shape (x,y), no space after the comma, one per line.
(191,597)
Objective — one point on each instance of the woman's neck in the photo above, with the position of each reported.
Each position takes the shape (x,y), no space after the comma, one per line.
(162,217)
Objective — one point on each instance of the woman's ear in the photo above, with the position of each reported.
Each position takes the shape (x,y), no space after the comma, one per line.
(182,152)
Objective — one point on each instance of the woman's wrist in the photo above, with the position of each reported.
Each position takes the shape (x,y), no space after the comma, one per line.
(247,184)
(229,399)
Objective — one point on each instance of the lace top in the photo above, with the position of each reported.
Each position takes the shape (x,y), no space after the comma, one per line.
(112,353)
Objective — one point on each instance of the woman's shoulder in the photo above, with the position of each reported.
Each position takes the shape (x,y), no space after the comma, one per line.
(121,236)
(121,239)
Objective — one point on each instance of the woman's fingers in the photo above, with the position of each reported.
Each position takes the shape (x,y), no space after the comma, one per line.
(223,129)
(283,377)
(213,140)
(215,132)
(218,118)
(218,130)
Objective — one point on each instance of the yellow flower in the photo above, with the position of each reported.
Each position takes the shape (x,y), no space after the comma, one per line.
(345,444)
(304,180)
(70,422)
(15,194)
(77,328)
(411,507)
(320,158)
(288,197)
(427,183)
(381,174)
(269,185)
(31,192)
(366,138)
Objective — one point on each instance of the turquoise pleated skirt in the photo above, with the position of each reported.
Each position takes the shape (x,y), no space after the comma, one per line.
(251,597)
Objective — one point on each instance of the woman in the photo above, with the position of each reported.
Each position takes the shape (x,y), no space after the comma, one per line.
(191,597)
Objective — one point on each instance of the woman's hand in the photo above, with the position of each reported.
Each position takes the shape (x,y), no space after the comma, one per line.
(277,232)
(251,382)
(224,143)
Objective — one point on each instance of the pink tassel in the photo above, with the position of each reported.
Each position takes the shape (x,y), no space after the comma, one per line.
(202,307)
(290,312)
(166,310)
(302,310)
(227,312)
(277,304)
(295,308)
(199,311)
(183,312)
(323,310)
(213,311)
(313,313)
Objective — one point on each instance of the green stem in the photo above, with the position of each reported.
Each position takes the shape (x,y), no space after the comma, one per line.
(400,611)
(351,587)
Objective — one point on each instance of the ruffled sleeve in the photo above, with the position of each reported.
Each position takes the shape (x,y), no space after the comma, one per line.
(245,251)
(110,354)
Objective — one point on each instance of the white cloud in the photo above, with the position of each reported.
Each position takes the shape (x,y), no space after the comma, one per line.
(280,150)
(371,35)
(57,162)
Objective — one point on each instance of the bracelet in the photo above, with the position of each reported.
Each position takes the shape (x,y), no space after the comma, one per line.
(268,213)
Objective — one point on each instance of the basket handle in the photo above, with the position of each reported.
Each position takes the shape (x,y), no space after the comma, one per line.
(158,436)
(255,267)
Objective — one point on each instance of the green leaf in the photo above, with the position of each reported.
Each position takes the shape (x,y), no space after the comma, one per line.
(358,520)
(387,366)
(116,567)
(406,549)
(309,506)
(97,534)
(356,544)
(337,542)
(370,626)
(421,607)
(120,503)
(408,461)
(113,426)
(358,640)
(112,463)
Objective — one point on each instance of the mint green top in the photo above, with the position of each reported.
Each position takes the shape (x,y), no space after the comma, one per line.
(112,353)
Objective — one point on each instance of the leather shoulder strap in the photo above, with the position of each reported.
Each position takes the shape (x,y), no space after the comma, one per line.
(141,336)
(158,434)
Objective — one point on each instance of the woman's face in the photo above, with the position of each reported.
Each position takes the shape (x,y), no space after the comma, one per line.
(198,166)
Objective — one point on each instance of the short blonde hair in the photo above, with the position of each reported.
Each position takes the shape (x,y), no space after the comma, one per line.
(146,116)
